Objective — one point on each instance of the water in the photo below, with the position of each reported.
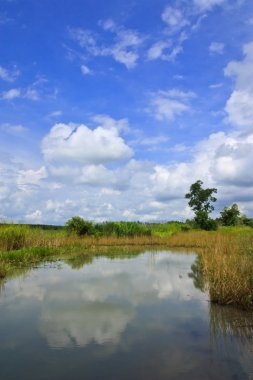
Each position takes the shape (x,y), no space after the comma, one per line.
(137,317)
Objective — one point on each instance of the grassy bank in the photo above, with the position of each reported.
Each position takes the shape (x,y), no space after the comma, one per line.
(225,257)
(225,263)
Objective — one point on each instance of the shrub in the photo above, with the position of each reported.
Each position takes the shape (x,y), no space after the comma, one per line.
(247,221)
(79,226)
(202,221)
(230,216)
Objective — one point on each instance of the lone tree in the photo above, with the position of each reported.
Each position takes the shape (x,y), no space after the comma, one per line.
(200,200)
(230,216)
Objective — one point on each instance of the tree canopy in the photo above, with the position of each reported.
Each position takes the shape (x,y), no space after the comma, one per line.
(230,216)
(200,200)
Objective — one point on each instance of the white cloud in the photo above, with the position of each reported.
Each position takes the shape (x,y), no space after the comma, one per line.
(174,19)
(11,94)
(14,129)
(139,190)
(154,140)
(108,122)
(207,5)
(124,48)
(95,175)
(85,70)
(167,105)
(55,113)
(216,48)
(78,143)
(26,179)
(215,85)
(8,75)
(157,50)
(239,106)
(34,216)
(32,94)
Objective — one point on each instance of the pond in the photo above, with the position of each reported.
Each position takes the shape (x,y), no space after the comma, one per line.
(135,316)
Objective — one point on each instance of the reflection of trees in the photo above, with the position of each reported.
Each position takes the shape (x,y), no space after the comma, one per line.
(197,275)
(78,261)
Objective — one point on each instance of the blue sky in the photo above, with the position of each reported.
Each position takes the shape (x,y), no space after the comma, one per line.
(112,111)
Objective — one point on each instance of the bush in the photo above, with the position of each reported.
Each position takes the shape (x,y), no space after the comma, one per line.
(230,216)
(247,221)
(79,226)
(202,221)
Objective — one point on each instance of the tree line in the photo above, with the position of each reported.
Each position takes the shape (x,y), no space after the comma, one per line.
(201,201)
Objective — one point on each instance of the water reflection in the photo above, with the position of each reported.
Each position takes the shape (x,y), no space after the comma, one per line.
(143,316)
(227,321)
(100,303)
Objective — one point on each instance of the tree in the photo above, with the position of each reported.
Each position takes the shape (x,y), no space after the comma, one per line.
(79,226)
(200,200)
(230,216)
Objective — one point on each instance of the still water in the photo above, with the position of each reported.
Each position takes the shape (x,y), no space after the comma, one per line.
(133,317)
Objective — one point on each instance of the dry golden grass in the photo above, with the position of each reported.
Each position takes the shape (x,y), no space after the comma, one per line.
(226,264)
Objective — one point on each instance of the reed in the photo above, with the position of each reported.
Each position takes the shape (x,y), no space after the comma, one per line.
(225,263)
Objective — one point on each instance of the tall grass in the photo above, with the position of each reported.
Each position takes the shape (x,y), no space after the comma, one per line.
(13,237)
(168,229)
(225,264)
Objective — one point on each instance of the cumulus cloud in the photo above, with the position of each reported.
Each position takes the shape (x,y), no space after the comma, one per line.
(78,143)
(239,105)
(140,190)
(26,178)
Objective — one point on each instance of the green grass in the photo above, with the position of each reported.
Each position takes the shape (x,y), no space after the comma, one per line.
(167,229)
